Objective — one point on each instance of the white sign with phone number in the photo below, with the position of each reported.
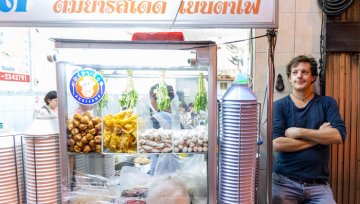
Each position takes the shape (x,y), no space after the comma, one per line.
(14,58)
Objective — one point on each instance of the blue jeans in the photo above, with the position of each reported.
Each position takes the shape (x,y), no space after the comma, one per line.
(287,191)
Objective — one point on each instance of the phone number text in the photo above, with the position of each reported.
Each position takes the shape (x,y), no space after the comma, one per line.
(5,76)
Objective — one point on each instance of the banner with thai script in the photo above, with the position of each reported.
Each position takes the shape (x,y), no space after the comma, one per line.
(148,13)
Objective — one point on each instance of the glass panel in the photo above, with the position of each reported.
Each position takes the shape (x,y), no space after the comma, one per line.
(148,138)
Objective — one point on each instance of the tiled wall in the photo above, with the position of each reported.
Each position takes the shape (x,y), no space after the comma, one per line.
(16,111)
(298,33)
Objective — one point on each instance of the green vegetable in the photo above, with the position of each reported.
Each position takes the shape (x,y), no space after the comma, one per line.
(129,97)
(103,103)
(162,95)
(200,102)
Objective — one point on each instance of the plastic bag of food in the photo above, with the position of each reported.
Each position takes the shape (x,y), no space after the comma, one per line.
(89,194)
(166,191)
(194,177)
(90,189)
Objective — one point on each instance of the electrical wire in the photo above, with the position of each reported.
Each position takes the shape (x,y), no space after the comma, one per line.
(177,13)
(322,59)
(229,42)
(334,7)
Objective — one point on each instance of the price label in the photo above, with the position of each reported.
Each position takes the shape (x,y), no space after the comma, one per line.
(6,76)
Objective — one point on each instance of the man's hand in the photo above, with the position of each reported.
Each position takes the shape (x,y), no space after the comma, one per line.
(292,132)
(325,125)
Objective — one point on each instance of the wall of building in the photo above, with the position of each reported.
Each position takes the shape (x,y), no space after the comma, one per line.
(298,33)
(17,107)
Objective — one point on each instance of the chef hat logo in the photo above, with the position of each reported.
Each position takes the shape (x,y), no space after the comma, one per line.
(87,87)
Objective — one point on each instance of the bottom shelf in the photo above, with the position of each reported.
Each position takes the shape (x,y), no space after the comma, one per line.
(144,178)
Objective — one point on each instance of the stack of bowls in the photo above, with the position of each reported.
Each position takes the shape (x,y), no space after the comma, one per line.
(238,135)
(42,160)
(11,168)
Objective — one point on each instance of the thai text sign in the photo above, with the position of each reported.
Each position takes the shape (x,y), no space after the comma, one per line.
(161,13)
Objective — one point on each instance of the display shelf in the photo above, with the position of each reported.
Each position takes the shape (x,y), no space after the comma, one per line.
(117,132)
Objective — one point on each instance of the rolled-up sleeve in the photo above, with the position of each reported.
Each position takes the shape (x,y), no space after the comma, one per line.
(334,118)
(279,120)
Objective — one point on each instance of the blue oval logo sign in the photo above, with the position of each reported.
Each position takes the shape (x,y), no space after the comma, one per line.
(87,86)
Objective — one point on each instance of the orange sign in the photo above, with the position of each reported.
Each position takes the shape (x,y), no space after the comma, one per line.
(163,13)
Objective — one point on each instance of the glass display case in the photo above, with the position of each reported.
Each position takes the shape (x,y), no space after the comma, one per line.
(126,133)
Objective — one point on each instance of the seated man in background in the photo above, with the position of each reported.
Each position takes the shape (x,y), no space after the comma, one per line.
(162,119)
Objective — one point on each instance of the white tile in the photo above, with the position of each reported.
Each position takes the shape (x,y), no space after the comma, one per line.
(261,44)
(307,32)
(281,60)
(28,118)
(19,121)
(29,103)
(19,103)
(8,103)
(9,121)
(2,116)
(307,6)
(315,55)
(286,6)
(260,72)
(2,103)
(286,33)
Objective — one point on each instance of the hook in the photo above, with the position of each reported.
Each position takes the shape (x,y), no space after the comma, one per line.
(279,83)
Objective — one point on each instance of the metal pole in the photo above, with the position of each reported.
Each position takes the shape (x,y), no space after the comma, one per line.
(61,93)
(272,41)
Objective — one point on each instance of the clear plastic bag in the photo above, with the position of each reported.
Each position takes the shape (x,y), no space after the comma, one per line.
(166,164)
(90,189)
(132,177)
(194,176)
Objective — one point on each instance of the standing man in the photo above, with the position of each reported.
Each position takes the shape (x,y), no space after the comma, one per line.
(304,125)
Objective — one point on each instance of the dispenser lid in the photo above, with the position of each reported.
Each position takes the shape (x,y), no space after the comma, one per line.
(42,126)
(241,78)
(239,90)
